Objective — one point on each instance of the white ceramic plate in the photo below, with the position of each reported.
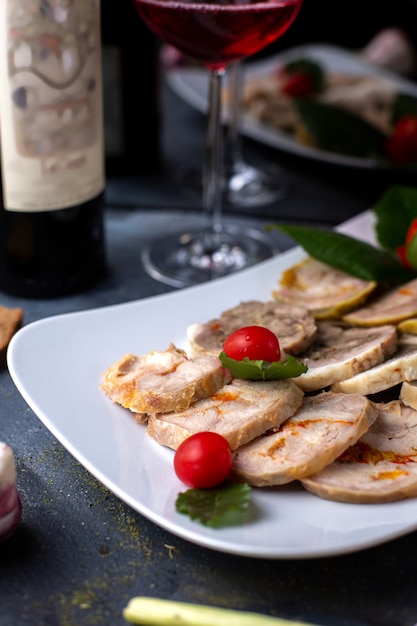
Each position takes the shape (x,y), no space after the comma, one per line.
(57,364)
(192,85)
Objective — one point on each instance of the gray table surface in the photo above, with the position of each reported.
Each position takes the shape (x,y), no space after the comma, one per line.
(79,553)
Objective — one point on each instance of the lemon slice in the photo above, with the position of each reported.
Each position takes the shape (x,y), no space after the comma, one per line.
(327,292)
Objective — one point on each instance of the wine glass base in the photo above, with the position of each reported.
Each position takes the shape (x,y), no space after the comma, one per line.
(250,186)
(183,259)
(246,186)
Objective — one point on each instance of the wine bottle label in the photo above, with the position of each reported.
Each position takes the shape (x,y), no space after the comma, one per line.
(51,116)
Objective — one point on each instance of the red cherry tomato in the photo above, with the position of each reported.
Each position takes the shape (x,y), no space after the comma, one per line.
(401,146)
(253,342)
(401,253)
(203,460)
(299,85)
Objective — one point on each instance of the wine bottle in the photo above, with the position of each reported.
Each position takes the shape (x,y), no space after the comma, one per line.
(131,91)
(52,149)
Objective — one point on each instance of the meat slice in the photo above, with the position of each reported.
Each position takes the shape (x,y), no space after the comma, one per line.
(400,367)
(240,412)
(324,290)
(294,326)
(408,393)
(396,305)
(160,382)
(380,467)
(322,428)
(341,351)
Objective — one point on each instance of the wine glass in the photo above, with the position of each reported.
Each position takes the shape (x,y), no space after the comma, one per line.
(216,33)
(245,184)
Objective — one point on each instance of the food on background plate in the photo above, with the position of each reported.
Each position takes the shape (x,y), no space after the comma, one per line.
(10,503)
(267,98)
(356,115)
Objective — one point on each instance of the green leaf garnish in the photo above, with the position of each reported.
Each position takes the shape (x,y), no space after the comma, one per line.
(263,370)
(348,254)
(338,130)
(216,507)
(404,104)
(394,212)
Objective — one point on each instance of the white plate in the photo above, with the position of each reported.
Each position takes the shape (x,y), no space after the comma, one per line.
(57,364)
(192,85)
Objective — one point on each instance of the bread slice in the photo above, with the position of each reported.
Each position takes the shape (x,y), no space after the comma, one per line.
(240,411)
(165,381)
(321,429)
(400,367)
(10,322)
(293,324)
(380,467)
(340,352)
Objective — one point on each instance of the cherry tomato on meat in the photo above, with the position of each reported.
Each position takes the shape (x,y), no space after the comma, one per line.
(203,460)
(401,146)
(253,342)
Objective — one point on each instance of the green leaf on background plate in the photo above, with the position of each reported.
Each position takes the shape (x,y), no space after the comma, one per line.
(394,212)
(220,506)
(337,130)
(403,106)
(263,370)
(348,254)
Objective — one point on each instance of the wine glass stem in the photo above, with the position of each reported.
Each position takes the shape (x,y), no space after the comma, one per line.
(213,169)
(233,148)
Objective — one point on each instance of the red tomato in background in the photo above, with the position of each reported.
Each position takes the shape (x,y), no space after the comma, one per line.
(299,85)
(253,342)
(401,146)
(203,460)
(411,232)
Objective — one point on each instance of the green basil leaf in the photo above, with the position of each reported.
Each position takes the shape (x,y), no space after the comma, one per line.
(216,507)
(394,213)
(337,130)
(263,370)
(404,105)
(348,254)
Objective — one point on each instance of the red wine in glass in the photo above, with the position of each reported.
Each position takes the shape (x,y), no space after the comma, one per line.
(216,33)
